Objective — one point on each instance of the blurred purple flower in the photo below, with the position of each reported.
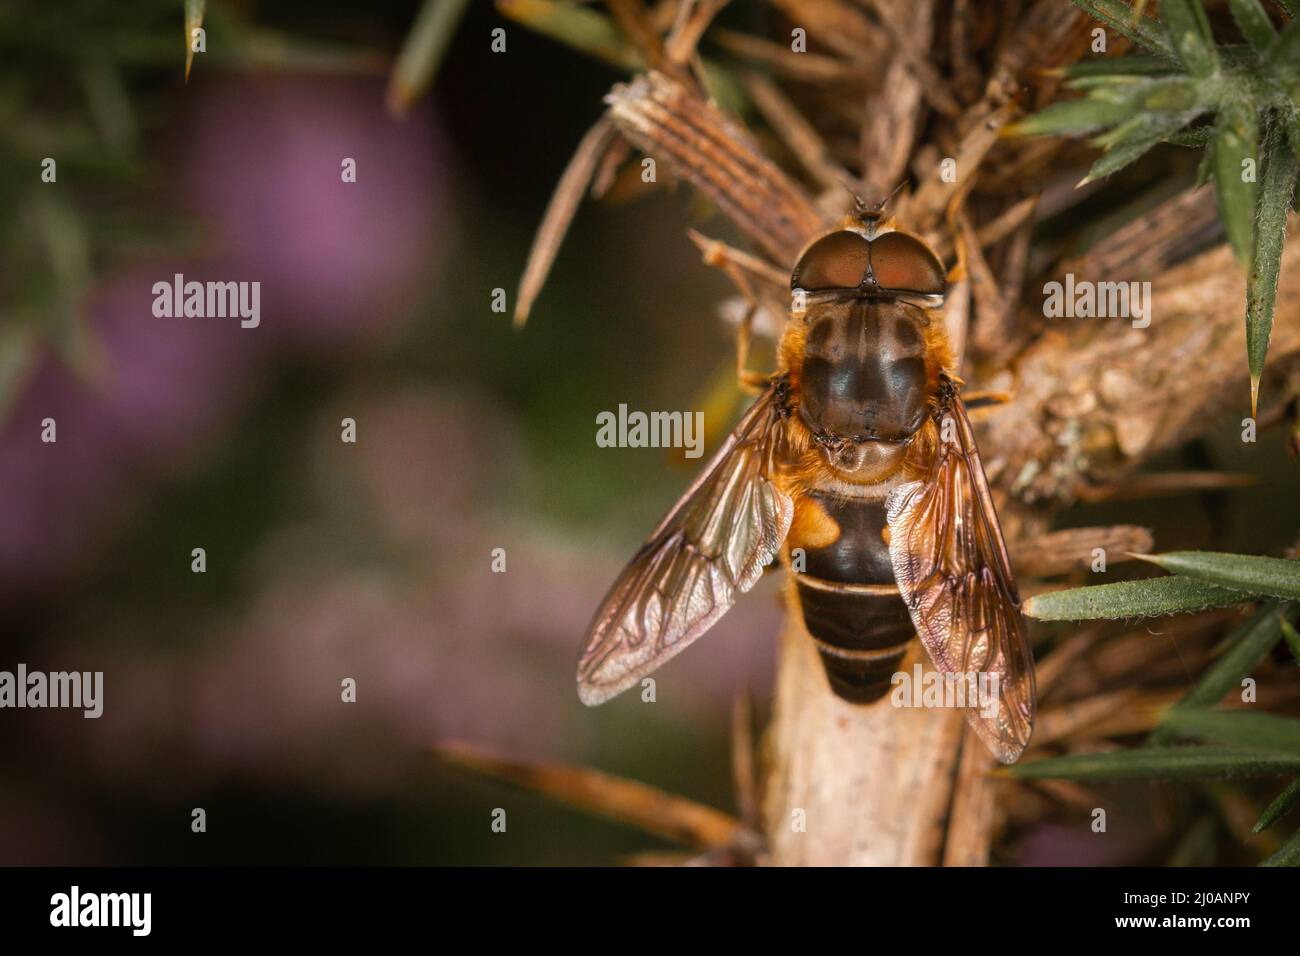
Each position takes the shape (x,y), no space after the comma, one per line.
(261,168)
(333,258)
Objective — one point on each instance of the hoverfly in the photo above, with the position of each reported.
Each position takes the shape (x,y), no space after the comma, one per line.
(858,452)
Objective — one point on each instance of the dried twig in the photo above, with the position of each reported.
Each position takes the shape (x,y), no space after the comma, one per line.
(743,774)
(1073,549)
(564,203)
(1069,719)
(669,122)
(870,785)
(891,123)
(626,801)
(970,825)
(781,60)
(1096,397)
(693,18)
(1137,487)
(796,132)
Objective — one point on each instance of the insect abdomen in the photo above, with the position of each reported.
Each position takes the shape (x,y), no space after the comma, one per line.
(850,603)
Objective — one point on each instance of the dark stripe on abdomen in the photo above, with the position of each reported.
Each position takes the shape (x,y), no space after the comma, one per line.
(850,606)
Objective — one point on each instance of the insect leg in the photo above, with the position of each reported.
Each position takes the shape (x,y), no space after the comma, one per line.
(735,264)
(959,271)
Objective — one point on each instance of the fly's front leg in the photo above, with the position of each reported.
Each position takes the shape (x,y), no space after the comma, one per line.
(751,381)
(957,303)
(745,327)
(735,264)
(959,271)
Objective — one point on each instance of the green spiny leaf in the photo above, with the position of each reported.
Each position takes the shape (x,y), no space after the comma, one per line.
(1280,165)
(1292,126)
(1126,599)
(1196,137)
(1246,646)
(1253,22)
(1158,94)
(1283,59)
(1288,853)
(1119,83)
(194,12)
(1137,64)
(1267,733)
(579,27)
(1189,31)
(423,51)
(1286,46)
(1282,804)
(1172,95)
(1205,168)
(1156,763)
(1292,638)
(1236,145)
(1254,574)
(1071,117)
(1133,138)
(1119,17)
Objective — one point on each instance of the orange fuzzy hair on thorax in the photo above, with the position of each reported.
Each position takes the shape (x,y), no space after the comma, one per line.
(808,468)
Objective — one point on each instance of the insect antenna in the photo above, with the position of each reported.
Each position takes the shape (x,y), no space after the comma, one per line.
(871,213)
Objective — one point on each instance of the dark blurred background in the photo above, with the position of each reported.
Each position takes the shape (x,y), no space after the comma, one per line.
(328,560)
(372,560)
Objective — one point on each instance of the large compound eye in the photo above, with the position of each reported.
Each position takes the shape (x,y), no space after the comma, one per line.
(903,263)
(835,261)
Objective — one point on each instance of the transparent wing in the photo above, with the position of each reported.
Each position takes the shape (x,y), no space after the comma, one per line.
(952,568)
(710,547)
